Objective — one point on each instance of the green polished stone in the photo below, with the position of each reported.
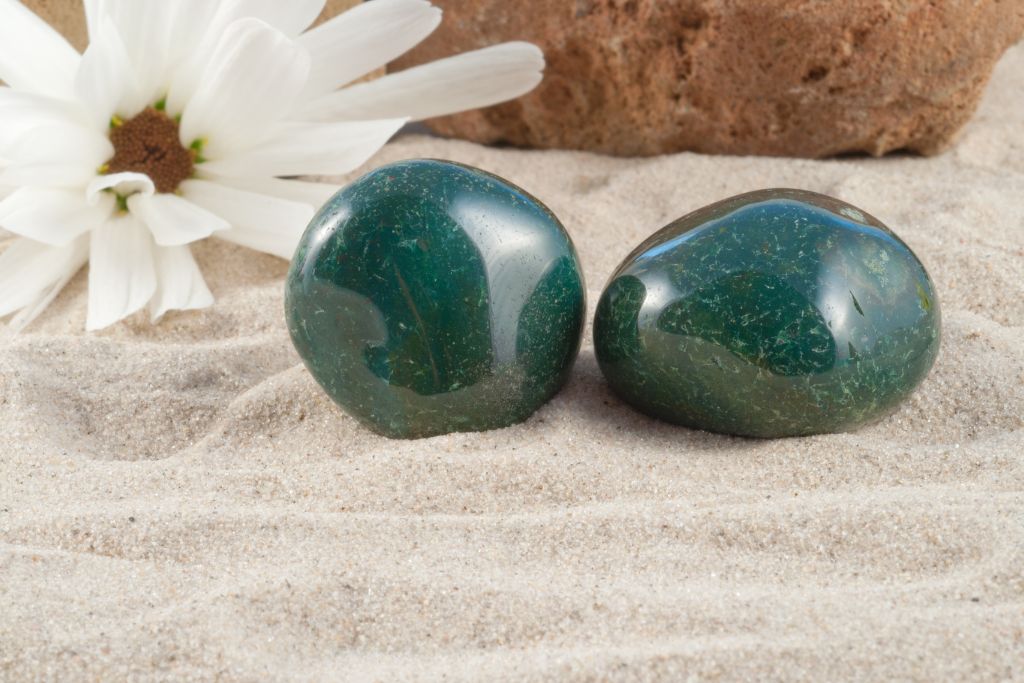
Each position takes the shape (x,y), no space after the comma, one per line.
(774,313)
(430,297)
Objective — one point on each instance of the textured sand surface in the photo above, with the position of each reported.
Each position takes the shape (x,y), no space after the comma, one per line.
(182,502)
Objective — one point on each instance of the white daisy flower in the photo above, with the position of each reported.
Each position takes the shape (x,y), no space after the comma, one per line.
(180,122)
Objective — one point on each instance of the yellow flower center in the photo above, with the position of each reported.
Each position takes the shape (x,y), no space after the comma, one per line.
(148,143)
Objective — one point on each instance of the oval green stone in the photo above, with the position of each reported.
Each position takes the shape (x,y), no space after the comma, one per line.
(429,297)
(774,313)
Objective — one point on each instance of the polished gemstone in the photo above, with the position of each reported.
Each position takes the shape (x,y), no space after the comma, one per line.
(774,313)
(430,297)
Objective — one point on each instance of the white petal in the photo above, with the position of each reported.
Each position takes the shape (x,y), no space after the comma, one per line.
(122,276)
(123,184)
(313,194)
(180,285)
(257,221)
(251,82)
(57,155)
(53,216)
(29,269)
(34,57)
(364,38)
(78,256)
(146,27)
(189,25)
(162,37)
(291,17)
(94,11)
(174,221)
(21,112)
(191,39)
(310,149)
(106,81)
(44,175)
(467,81)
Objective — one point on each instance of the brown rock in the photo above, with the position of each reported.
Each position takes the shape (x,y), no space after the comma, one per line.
(68,16)
(806,78)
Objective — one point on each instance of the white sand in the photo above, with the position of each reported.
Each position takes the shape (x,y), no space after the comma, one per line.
(182,502)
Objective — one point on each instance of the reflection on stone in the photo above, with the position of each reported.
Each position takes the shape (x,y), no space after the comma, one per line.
(429,297)
(775,313)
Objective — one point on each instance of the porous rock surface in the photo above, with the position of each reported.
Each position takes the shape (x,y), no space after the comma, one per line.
(772,77)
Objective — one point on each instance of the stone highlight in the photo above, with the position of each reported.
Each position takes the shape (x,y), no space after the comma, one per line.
(429,297)
(771,314)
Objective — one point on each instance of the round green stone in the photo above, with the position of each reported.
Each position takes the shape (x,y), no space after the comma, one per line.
(775,313)
(430,297)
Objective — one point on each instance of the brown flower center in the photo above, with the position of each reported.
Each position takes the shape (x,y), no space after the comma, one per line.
(149,144)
